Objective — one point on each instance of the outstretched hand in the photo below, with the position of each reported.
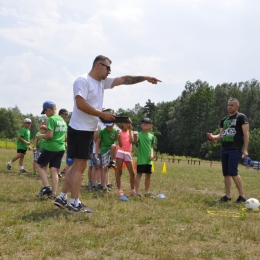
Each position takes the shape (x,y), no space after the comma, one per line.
(153,80)
(210,137)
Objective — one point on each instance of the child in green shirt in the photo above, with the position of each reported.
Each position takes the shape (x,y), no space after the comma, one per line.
(144,156)
(107,139)
(23,144)
(53,151)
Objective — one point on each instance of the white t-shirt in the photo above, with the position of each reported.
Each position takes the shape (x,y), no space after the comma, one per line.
(93,92)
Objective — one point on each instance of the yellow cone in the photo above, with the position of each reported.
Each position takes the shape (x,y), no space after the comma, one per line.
(152,166)
(164,168)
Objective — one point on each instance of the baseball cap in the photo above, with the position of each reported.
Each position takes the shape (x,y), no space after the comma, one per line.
(63,111)
(147,120)
(47,104)
(43,127)
(106,109)
(108,124)
(27,120)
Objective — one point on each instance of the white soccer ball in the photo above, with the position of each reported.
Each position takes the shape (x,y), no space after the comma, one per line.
(252,204)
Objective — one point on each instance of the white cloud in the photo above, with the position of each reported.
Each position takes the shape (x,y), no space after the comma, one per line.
(174,40)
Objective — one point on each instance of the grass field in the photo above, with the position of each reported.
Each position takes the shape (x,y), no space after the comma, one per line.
(177,227)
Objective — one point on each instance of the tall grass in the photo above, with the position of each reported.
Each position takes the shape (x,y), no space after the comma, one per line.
(177,227)
(7,144)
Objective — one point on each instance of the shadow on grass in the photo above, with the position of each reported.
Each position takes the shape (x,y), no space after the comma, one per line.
(225,205)
(55,214)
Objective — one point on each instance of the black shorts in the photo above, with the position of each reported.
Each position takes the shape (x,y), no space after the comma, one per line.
(21,151)
(144,168)
(53,158)
(80,143)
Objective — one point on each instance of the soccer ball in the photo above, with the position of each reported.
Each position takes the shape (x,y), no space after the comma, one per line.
(252,204)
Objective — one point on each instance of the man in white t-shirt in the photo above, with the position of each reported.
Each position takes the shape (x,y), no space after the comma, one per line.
(88,93)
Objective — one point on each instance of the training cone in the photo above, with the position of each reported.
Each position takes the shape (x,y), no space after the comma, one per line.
(124,166)
(152,166)
(160,196)
(164,168)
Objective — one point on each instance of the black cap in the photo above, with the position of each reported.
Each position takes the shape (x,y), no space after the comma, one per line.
(63,111)
(147,120)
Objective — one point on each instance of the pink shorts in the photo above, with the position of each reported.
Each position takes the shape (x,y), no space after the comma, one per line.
(125,156)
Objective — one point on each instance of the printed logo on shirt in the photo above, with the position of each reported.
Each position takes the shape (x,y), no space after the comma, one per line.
(113,136)
(229,130)
(61,127)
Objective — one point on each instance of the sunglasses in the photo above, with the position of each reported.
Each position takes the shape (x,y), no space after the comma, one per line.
(108,67)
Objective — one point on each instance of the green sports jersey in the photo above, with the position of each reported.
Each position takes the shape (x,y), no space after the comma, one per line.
(38,141)
(107,139)
(145,143)
(25,134)
(59,128)
(42,144)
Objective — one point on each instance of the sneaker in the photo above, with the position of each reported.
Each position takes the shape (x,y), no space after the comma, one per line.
(110,186)
(112,164)
(8,166)
(81,208)
(35,173)
(240,199)
(149,195)
(106,190)
(52,196)
(24,171)
(224,199)
(60,202)
(138,195)
(120,193)
(99,187)
(44,192)
(94,188)
(133,193)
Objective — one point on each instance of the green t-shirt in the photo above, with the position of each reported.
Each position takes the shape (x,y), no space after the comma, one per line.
(38,141)
(107,139)
(25,134)
(59,128)
(145,143)
(42,144)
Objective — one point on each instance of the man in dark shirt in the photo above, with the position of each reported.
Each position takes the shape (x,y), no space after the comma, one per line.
(234,134)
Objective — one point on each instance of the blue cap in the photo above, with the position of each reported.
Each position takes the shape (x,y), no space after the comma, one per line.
(47,104)
(108,124)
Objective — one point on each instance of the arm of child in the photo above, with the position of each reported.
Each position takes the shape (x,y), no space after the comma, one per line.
(151,156)
(23,140)
(119,140)
(46,136)
(97,147)
(34,143)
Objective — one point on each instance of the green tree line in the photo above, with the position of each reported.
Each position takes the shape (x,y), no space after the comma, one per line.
(180,125)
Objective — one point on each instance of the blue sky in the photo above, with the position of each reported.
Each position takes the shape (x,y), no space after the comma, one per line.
(46,45)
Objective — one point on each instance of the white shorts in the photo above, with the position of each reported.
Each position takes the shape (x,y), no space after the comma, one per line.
(125,156)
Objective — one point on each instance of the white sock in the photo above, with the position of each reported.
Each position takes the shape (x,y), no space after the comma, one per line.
(21,167)
(63,195)
(72,201)
(10,162)
(77,201)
